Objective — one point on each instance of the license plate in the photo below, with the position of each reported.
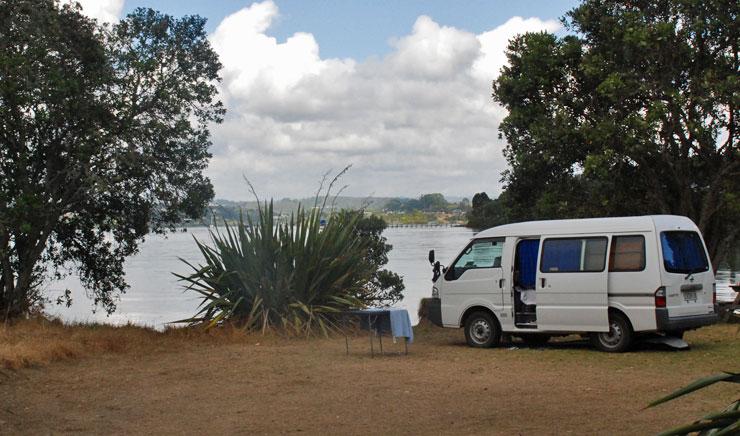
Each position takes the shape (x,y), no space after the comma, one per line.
(689,296)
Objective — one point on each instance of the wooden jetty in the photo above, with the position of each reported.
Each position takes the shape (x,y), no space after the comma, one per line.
(427,225)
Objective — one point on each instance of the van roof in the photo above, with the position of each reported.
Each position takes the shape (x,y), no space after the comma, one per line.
(646,223)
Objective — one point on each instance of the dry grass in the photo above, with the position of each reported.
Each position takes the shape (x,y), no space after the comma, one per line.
(136,381)
(40,341)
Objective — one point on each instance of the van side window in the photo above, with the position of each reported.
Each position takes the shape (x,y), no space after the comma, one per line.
(485,253)
(573,255)
(627,253)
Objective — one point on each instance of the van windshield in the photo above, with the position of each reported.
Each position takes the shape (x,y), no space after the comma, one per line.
(683,252)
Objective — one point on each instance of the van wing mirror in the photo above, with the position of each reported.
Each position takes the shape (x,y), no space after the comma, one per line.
(431,256)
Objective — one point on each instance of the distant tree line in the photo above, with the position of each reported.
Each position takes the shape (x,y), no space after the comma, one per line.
(427,203)
(633,112)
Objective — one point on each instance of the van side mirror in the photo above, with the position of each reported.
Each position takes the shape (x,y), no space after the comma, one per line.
(431,256)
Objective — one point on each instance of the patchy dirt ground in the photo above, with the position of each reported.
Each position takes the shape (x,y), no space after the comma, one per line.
(261,385)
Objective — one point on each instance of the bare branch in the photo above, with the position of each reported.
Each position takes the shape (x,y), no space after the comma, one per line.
(333,181)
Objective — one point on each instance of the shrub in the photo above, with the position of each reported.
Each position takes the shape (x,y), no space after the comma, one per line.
(293,275)
(725,422)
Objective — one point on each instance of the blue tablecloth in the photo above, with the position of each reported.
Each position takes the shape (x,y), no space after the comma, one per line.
(400,321)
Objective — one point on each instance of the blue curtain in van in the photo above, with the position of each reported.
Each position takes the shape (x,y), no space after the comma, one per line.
(526,255)
(683,252)
(561,255)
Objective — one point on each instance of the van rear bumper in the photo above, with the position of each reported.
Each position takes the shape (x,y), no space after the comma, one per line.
(666,323)
(434,310)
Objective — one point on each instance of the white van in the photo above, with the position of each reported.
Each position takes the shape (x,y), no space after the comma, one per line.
(610,277)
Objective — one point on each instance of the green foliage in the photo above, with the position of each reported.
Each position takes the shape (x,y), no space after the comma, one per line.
(384,287)
(394,205)
(293,276)
(634,112)
(433,202)
(428,202)
(486,212)
(104,138)
(726,422)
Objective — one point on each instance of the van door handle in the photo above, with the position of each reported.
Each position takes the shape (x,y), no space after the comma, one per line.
(542,282)
(501,283)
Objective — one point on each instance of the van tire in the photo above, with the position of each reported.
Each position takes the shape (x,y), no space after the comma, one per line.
(482,330)
(619,337)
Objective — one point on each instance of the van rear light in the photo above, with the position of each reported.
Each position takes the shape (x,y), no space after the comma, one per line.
(714,293)
(660,297)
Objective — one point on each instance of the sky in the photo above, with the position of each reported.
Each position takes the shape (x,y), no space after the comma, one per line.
(401,90)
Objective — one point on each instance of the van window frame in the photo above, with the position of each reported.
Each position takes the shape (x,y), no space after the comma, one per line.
(644,253)
(542,254)
(449,273)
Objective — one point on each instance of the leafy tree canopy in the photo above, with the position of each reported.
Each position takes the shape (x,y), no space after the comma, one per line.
(428,202)
(384,287)
(487,212)
(634,112)
(434,201)
(103,138)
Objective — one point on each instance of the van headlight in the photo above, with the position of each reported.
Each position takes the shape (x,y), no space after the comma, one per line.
(435,292)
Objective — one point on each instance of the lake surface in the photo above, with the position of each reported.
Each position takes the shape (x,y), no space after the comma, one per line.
(156,297)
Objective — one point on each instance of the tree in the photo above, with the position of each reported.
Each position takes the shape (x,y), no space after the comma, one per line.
(433,202)
(384,286)
(486,212)
(412,204)
(394,205)
(104,137)
(635,112)
(480,199)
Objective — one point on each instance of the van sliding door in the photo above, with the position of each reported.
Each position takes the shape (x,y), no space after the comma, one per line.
(572,284)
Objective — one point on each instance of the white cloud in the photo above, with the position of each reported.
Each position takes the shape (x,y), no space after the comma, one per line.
(494,42)
(107,11)
(434,52)
(418,120)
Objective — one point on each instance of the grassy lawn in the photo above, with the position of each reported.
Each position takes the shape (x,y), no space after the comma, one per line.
(131,380)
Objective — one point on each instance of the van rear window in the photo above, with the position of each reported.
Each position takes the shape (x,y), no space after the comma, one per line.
(683,252)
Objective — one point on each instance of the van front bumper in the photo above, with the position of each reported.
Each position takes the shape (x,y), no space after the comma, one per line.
(667,324)
(434,310)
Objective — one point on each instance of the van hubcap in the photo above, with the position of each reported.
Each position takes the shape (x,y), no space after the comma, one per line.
(614,337)
(480,331)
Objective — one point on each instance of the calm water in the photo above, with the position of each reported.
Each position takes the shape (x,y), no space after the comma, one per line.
(156,297)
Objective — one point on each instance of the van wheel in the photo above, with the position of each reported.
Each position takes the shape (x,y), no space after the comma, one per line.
(618,338)
(535,340)
(482,330)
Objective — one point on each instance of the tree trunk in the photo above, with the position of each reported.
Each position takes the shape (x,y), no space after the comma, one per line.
(17,282)
(7,293)
(10,304)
